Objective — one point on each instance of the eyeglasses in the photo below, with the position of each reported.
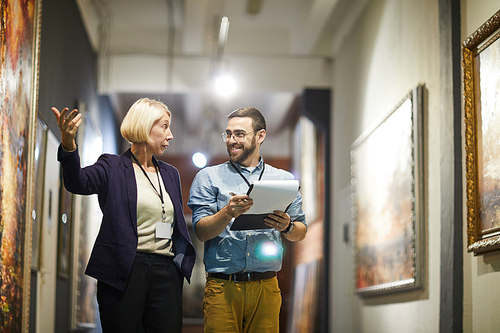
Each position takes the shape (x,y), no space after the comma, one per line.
(238,135)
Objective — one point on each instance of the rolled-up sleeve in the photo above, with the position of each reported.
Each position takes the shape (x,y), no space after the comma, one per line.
(202,197)
(295,209)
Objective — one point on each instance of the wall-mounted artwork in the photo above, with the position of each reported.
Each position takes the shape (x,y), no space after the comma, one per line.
(305,168)
(39,171)
(305,298)
(481,65)
(64,222)
(19,39)
(388,196)
(86,219)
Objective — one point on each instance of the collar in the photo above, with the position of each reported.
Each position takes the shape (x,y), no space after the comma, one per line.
(257,168)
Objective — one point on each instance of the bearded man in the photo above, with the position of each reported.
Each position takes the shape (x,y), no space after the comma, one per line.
(241,292)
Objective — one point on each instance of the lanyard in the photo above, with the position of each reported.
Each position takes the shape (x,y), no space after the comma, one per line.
(246,180)
(160,194)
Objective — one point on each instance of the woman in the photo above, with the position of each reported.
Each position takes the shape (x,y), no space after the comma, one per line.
(143,251)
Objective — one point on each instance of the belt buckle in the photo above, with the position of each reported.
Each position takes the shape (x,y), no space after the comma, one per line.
(235,279)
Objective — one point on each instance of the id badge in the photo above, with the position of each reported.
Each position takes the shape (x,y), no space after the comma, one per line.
(163,230)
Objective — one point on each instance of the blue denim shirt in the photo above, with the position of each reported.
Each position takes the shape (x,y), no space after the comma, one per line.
(238,251)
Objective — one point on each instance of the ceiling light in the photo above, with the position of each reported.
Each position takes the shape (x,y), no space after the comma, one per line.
(223,31)
(224,85)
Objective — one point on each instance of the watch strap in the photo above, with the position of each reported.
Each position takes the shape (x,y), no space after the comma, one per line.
(289,228)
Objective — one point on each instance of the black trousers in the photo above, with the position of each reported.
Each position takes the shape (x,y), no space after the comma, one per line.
(152,298)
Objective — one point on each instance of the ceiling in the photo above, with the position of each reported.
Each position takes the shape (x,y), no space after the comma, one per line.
(173,49)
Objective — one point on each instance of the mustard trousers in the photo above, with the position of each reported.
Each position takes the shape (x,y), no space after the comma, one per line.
(244,307)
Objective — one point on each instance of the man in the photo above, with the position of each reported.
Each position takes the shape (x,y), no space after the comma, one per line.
(241,292)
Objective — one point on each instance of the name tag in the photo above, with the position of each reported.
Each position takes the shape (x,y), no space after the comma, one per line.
(163,230)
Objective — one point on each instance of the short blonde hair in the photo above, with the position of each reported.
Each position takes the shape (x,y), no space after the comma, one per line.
(140,118)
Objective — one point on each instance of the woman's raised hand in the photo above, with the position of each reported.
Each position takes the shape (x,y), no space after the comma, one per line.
(68,124)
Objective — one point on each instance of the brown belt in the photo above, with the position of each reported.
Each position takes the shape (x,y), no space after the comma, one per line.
(243,277)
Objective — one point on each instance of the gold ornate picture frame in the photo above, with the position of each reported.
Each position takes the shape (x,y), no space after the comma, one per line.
(19,57)
(481,72)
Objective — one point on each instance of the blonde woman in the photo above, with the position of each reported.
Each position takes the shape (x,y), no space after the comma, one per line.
(143,250)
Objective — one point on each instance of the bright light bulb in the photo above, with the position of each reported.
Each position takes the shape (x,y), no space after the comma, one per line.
(225,85)
(199,160)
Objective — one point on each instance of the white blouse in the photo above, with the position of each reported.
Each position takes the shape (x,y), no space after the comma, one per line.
(149,212)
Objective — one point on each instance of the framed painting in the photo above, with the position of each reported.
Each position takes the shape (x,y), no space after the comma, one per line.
(86,222)
(481,66)
(388,196)
(39,172)
(305,137)
(64,234)
(305,298)
(19,50)
(90,218)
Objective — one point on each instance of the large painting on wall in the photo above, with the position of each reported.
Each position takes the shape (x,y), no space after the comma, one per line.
(19,34)
(86,222)
(388,196)
(481,64)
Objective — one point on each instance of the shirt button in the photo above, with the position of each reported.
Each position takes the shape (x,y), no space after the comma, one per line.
(248,254)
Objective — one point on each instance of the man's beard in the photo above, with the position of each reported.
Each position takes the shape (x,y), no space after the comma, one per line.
(246,152)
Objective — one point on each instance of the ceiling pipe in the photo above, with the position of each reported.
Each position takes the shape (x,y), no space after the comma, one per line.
(170,44)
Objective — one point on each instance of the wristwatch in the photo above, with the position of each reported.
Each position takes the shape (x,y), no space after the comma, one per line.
(289,229)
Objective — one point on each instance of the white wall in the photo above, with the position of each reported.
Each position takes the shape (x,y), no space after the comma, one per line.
(481,273)
(393,47)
